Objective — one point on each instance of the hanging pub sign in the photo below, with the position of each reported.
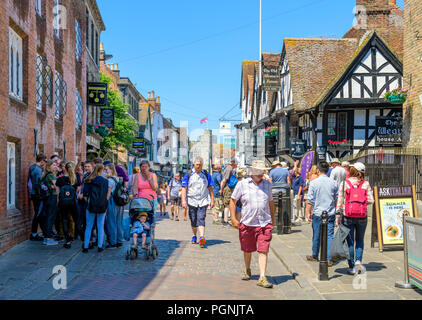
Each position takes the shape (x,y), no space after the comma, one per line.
(391,203)
(107,118)
(97,94)
(271,78)
(297,148)
(388,130)
(138,143)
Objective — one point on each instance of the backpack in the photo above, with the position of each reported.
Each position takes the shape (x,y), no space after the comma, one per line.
(205,172)
(120,194)
(97,201)
(231,183)
(67,196)
(35,188)
(355,201)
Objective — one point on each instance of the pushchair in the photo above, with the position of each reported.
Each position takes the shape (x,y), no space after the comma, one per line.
(136,206)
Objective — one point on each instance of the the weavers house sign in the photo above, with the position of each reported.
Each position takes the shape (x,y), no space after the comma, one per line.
(389,130)
(271,78)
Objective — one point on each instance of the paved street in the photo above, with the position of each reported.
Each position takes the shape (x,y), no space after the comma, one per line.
(185,271)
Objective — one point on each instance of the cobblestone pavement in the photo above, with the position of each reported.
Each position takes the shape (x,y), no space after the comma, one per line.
(181,271)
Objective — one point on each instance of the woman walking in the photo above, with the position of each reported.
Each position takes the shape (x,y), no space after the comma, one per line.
(355,195)
(146,185)
(297,186)
(48,184)
(96,193)
(67,185)
(111,216)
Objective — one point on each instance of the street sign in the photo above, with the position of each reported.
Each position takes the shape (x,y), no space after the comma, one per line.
(389,130)
(271,78)
(138,144)
(107,118)
(225,128)
(97,94)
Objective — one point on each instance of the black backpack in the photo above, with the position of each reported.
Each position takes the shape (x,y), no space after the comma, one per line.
(97,201)
(67,196)
(120,194)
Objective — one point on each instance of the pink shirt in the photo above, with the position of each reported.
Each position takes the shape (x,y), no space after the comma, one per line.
(144,188)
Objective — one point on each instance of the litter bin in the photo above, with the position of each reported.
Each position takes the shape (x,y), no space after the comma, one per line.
(282,208)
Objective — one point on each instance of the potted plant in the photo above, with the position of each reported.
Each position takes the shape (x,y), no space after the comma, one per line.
(271,131)
(396,96)
(338,144)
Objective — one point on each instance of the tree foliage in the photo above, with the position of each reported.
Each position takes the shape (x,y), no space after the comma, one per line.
(124,125)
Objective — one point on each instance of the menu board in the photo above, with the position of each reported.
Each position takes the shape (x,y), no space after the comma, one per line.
(391,204)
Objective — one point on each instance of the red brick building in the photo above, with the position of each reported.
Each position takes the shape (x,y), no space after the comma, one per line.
(42,105)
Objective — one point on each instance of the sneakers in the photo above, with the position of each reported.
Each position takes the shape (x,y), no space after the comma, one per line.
(351,271)
(36,238)
(202,242)
(246,274)
(177,219)
(67,245)
(194,240)
(263,282)
(51,242)
(172,216)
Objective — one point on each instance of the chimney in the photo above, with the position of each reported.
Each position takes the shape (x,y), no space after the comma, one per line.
(152,94)
(116,67)
(101,46)
(149,95)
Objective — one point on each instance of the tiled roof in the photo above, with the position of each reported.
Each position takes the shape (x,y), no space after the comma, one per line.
(248,68)
(313,63)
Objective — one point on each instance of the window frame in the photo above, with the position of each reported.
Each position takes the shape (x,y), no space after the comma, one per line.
(38,7)
(15,64)
(78,41)
(11,176)
(60,96)
(79,110)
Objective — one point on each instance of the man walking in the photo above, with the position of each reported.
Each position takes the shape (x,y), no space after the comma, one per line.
(173,191)
(197,185)
(257,220)
(217,177)
(227,186)
(322,196)
(338,174)
(35,176)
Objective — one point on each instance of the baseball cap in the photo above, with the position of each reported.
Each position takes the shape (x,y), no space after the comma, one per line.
(359,166)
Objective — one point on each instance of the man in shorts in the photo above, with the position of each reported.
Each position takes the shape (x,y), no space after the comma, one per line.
(197,186)
(173,190)
(225,190)
(257,220)
(217,177)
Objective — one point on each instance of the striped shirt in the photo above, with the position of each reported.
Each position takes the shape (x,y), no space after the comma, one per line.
(355,182)
(255,199)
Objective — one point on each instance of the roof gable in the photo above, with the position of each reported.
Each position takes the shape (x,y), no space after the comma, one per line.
(372,70)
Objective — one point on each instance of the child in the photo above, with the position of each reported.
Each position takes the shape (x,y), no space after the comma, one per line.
(140,228)
(162,199)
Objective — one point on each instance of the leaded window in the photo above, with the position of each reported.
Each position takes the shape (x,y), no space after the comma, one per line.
(38,6)
(79,109)
(44,82)
(78,40)
(57,18)
(332,124)
(60,96)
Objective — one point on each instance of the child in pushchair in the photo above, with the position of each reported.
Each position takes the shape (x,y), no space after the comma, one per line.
(142,209)
(141,228)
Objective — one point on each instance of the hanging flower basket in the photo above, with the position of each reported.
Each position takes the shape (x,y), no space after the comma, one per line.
(397,96)
(90,128)
(102,130)
(271,131)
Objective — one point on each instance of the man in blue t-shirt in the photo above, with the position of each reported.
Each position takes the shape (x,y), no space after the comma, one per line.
(217,177)
(279,177)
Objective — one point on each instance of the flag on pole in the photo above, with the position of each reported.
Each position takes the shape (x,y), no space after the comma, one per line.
(204,120)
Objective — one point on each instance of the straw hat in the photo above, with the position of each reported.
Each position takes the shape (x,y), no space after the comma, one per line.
(259,165)
(140,214)
(275,163)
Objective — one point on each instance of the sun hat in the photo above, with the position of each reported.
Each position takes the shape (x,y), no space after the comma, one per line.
(335,160)
(140,214)
(259,165)
(284,164)
(359,166)
(345,163)
(275,163)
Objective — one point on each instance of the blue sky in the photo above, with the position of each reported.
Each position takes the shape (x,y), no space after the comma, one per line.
(190,51)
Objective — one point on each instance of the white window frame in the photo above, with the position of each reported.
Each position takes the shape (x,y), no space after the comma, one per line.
(57,30)
(15,64)
(38,7)
(11,175)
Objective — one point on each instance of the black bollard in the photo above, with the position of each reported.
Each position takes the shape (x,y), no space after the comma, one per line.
(323,263)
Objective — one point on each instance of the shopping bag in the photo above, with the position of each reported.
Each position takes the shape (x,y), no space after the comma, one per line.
(339,250)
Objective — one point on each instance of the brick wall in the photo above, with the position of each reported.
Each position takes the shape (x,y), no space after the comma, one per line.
(412,109)
(19,119)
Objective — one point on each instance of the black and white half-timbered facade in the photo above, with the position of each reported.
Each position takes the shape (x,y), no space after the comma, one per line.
(347,109)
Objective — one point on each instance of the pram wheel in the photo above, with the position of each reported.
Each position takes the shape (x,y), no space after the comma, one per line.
(133,253)
(154,253)
(127,254)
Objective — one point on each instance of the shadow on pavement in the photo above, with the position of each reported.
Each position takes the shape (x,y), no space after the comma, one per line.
(214,242)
